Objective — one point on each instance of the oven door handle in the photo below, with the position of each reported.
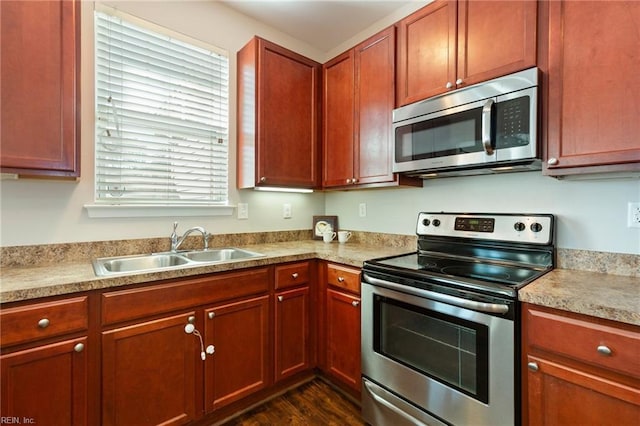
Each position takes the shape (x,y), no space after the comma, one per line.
(380,400)
(494,308)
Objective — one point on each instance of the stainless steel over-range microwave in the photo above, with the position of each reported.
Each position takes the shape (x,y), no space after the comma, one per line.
(485,128)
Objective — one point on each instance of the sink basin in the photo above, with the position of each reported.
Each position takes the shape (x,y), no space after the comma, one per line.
(220,255)
(165,261)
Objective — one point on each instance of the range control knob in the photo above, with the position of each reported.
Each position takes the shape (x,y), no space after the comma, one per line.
(536,227)
(436,222)
(426,222)
(519,226)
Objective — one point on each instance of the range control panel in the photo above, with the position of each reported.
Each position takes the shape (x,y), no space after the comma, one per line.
(523,228)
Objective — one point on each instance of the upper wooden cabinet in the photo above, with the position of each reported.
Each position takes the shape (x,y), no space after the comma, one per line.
(40,96)
(593,89)
(451,44)
(358,101)
(277,117)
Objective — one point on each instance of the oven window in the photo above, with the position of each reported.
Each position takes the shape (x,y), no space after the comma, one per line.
(451,350)
(453,134)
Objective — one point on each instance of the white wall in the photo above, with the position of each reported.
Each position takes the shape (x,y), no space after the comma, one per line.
(591,215)
(46,212)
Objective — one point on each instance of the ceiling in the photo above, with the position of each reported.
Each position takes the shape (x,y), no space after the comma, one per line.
(323,24)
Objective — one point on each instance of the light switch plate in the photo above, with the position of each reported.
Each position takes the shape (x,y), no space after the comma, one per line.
(243,211)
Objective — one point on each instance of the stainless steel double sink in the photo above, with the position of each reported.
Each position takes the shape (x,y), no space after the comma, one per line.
(169,260)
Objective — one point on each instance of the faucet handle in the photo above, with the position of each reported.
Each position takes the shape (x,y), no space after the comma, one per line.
(206,240)
(175,226)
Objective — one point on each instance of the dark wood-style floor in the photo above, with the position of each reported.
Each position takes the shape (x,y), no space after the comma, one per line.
(313,403)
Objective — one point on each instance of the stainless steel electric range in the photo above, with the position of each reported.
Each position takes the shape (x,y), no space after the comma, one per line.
(440,331)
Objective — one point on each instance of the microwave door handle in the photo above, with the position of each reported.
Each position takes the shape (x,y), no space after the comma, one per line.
(486,127)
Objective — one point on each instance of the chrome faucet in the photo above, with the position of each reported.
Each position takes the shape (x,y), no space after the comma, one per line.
(177,241)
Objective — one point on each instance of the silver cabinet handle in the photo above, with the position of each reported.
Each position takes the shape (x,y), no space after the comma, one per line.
(79,347)
(355,303)
(294,275)
(486,127)
(263,179)
(340,279)
(533,366)
(354,180)
(43,323)
(552,161)
(280,298)
(348,181)
(211,315)
(604,350)
(459,81)
(448,85)
(191,319)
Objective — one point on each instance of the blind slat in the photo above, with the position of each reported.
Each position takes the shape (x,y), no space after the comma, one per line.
(162,117)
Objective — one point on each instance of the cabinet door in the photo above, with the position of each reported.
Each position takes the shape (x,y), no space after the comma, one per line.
(426,52)
(288,108)
(561,395)
(46,384)
(239,332)
(40,44)
(338,117)
(495,38)
(375,100)
(594,92)
(343,337)
(149,373)
(292,332)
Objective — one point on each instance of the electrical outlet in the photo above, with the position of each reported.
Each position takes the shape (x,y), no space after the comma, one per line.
(633,215)
(363,210)
(286,211)
(243,211)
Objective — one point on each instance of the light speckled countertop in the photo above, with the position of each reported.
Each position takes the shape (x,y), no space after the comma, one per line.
(608,296)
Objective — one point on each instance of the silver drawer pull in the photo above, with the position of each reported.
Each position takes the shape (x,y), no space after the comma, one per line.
(533,366)
(355,303)
(280,298)
(294,275)
(340,279)
(43,323)
(79,347)
(191,319)
(604,350)
(211,315)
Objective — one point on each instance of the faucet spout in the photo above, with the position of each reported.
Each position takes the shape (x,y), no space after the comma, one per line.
(177,242)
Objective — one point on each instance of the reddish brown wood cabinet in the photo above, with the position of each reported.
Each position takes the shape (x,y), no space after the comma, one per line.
(341,326)
(149,373)
(292,334)
(40,96)
(450,44)
(358,100)
(277,116)
(579,370)
(239,332)
(44,363)
(593,89)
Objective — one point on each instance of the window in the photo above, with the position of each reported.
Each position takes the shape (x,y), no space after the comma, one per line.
(161,116)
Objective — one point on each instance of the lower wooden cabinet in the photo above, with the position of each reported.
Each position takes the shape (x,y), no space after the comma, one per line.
(579,370)
(292,332)
(341,326)
(239,332)
(46,384)
(149,373)
(44,362)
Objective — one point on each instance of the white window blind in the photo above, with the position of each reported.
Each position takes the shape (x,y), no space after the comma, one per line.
(161,116)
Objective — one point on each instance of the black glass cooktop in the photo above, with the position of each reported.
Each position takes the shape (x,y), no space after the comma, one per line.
(455,268)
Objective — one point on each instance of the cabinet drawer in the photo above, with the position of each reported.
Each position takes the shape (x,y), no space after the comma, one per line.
(343,277)
(578,337)
(292,275)
(32,322)
(136,303)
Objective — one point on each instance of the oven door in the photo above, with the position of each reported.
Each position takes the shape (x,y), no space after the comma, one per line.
(455,363)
